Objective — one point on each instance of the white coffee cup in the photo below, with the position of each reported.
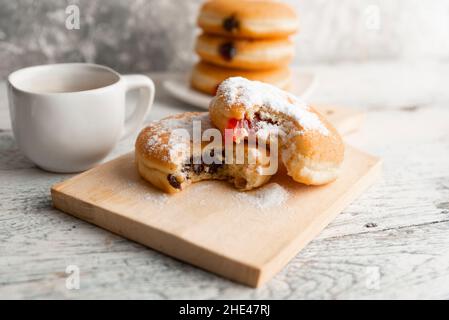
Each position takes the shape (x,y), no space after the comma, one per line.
(67,117)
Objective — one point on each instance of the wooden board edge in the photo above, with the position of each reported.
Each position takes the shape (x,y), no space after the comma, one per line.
(274,266)
(160,241)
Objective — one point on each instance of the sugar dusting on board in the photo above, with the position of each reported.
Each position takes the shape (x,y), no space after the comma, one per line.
(270,196)
(156,197)
(148,193)
(238,90)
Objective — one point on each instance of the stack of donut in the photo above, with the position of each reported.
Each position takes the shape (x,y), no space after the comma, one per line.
(247,38)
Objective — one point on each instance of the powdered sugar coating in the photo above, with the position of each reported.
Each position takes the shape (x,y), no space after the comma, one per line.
(247,93)
(270,196)
(180,130)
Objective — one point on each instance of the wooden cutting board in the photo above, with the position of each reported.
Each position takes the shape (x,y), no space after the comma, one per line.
(246,237)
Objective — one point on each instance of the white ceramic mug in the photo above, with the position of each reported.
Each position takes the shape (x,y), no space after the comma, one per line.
(68,117)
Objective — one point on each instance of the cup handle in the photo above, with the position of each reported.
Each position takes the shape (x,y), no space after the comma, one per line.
(146,99)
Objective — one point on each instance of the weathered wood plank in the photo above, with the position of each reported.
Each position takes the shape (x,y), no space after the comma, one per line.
(382,264)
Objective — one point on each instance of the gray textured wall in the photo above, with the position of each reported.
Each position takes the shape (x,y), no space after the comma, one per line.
(144,35)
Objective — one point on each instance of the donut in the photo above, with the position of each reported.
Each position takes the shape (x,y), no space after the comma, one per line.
(245,54)
(310,147)
(250,19)
(170,162)
(207,77)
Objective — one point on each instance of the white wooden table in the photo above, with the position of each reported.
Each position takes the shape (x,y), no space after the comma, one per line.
(393,242)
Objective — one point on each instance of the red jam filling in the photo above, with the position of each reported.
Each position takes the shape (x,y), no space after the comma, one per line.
(240,128)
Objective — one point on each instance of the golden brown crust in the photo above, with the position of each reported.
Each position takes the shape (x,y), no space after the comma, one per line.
(207,77)
(311,156)
(245,54)
(254,19)
(156,177)
(153,142)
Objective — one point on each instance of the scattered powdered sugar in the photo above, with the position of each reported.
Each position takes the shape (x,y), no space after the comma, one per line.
(180,132)
(247,93)
(154,141)
(131,184)
(141,190)
(270,196)
(266,129)
(157,198)
(155,144)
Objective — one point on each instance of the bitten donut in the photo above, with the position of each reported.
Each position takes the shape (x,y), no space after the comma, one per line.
(245,54)
(310,147)
(170,162)
(206,77)
(250,19)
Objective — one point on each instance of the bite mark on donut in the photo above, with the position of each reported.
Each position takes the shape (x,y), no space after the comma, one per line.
(197,170)
(231,24)
(242,128)
(195,167)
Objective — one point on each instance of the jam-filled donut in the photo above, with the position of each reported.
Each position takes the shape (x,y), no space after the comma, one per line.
(310,147)
(207,77)
(170,162)
(245,54)
(251,19)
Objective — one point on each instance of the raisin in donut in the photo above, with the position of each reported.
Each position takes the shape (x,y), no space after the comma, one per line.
(310,147)
(245,54)
(207,77)
(173,164)
(250,19)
